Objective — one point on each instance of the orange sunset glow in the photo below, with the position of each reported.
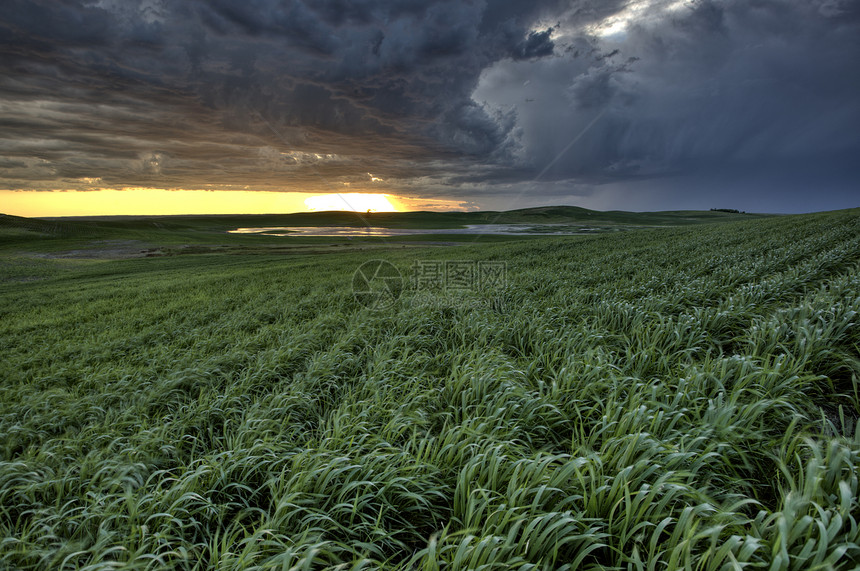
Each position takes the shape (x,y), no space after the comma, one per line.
(142,201)
(149,201)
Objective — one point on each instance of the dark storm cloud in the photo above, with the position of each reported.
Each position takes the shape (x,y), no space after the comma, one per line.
(483,97)
(537,44)
(714,88)
(99,88)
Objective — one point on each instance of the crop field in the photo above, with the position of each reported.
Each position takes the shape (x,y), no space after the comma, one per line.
(655,399)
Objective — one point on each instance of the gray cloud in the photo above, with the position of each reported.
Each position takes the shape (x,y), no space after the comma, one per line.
(470,99)
(710,87)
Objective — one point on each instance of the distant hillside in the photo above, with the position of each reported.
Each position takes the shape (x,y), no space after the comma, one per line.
(19,226)
(423,219)
(574,214)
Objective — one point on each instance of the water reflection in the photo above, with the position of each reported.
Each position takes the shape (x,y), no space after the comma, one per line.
(504,229)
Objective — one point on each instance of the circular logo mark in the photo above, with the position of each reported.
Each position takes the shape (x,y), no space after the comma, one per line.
(377,284)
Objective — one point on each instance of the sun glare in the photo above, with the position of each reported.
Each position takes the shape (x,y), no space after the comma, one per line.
(352,201)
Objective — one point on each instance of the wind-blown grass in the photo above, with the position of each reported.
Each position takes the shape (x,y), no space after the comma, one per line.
(667,399)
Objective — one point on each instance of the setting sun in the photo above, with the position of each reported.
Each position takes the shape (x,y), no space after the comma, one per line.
(353,201)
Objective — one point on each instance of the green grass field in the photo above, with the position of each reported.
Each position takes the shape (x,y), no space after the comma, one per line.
(682,397)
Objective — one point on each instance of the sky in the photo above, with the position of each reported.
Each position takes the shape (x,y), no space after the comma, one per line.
(150,106)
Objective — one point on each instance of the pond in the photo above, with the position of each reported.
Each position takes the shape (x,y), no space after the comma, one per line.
(502,229)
